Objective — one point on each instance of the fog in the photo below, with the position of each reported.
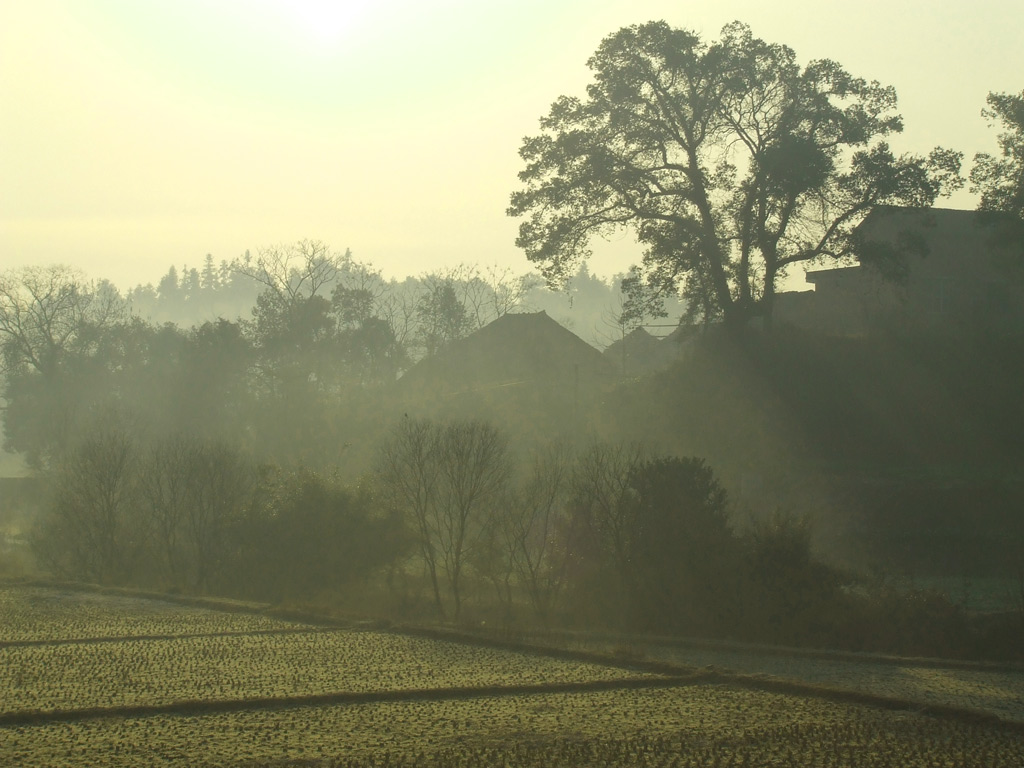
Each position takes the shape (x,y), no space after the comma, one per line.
(445,385)
(135,138)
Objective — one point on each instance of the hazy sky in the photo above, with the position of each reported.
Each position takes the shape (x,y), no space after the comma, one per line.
(136,134)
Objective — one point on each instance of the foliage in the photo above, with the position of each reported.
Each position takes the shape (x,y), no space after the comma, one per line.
(728,160)
(442,317)
(791,597)
(189,514)
(682,548)
(651,543)
(307,535)
(1000,180)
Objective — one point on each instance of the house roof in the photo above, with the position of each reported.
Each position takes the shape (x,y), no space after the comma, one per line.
(820,274)
(514,350)
(638,352)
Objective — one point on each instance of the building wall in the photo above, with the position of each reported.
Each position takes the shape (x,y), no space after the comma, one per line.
(963,283)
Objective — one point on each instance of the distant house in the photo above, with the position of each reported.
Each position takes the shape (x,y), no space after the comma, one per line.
(520,364)
(638,352)
(958,272)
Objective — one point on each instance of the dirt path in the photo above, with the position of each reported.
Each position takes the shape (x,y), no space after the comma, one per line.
(994,690)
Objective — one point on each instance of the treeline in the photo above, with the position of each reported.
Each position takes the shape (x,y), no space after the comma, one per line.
(594,308)
(451,524)
(185,514)
(300,380)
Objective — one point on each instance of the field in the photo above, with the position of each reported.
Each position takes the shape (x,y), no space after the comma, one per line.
(101,680)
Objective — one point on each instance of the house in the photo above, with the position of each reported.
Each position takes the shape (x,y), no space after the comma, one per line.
(638,352)
(523,366)
(932,269)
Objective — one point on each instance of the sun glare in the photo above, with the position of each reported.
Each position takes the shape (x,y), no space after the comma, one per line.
(321,22)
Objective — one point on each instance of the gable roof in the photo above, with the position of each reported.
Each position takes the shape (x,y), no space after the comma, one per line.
(638,352)
(515,350)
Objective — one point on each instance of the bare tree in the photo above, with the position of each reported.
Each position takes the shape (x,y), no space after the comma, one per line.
(295,272)
(221,482)
(474,467)
(533,526)
(445,478)
(408,466)
(163,488)
(191,491)
(50,318)
(47,313)
(601,501)
(398,309)
(506,290)
(90,531)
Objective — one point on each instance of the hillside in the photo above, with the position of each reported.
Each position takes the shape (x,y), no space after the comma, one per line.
(916,439)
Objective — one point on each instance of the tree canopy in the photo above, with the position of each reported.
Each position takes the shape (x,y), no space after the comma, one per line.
(728,160)
(1000,180)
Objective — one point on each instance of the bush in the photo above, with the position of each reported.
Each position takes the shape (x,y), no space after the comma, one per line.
(306,535)
(788,596)
(682,548)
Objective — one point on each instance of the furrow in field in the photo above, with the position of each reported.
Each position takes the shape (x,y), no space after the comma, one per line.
(213,706)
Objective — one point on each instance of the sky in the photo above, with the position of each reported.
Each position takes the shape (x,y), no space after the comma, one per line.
(140,134)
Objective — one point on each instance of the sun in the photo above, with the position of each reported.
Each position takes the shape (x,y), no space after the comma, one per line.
(323,23)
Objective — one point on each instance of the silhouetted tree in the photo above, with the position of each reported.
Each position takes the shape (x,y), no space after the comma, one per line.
(308,535)
(600,527)
(684,555)
(52,321)
(791,597)
(48,313)
(728,160)
(444,477)
(474,467)
(371,350)
(409,472)
(1000,180)
(91,531)
(442,317)
(531,526)
(164,495)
